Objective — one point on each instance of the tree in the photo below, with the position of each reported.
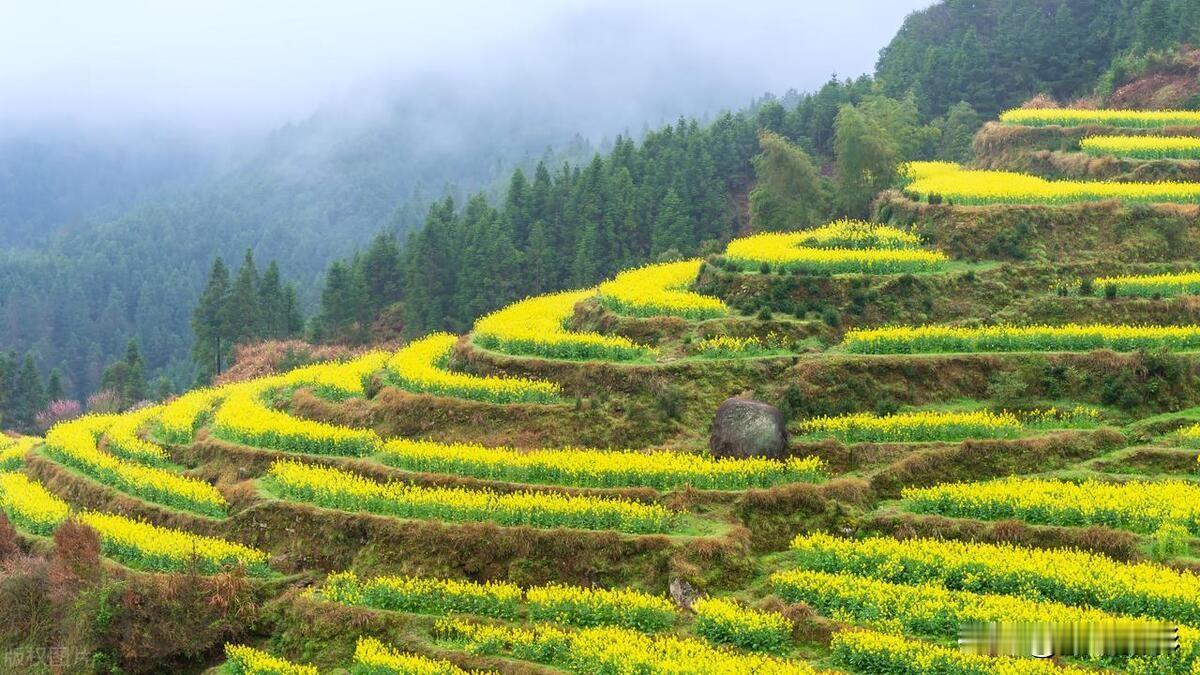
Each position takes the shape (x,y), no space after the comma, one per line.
(28,396)
(162,388)
(867,160)
(901,123)
(293,320)
(789,193)
(958,131)
(343,301)
(243,310)
(209,322)
(54,388)
(273,323)
(135,387)
(382,272)
(127,378)
(1155,28)
(672,228)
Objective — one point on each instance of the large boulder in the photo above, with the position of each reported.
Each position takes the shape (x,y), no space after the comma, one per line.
(747,428)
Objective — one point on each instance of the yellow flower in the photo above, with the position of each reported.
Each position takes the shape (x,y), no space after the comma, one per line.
(857,234)
(536,326)
(145,546)
(1069,576)
(725,622)
(611,650)
(1140,506)
(599,468)
(124,441)
(376,658)
(74,443)
(418,595)
(180,417)
(968,186)
(337,489)
(29,506)
(1143,147)
(921,425)
(788,251)
(931,609)
(863,651)
(1069,117)
(243,418)
(131,542)
(661,290)
(421,367)
(1003,338)
(339,378)
(580,606)
(243,660)
(1148,285)
(14,449)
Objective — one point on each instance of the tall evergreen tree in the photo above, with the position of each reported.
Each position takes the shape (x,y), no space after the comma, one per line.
(29,395)
(273,323)
(672,228)
(127,378)
(209,324)
(54,387)
(382,272)
(243,311)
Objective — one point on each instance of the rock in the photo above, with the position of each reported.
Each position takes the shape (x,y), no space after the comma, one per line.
(746,428)
(683,594)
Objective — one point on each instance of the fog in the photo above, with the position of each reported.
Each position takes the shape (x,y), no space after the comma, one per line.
(233,67)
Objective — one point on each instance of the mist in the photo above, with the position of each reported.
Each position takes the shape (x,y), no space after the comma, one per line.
(225,68)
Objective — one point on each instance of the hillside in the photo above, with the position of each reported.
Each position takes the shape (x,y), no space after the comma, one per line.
(993,405)
(995,54)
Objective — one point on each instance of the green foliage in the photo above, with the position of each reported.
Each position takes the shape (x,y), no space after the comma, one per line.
(790,192)
(957,131)
(867,160)
(569,227)
(995,54)
(1170,541)
(249,308)
(127,378)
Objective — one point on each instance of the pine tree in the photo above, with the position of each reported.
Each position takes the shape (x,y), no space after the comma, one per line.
(538,259)
(162,388)
(271,303)
(30,397)
(135,386)
(243,311)
(127,378)
(209,327)
(1154,25)
(343,301)
(293,320)
(54,388)
(517,207)
(382,272)
(672,229)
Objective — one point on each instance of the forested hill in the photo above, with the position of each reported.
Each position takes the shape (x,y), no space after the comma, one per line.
(686,187)
(315,191)
(308,194)
(994,54)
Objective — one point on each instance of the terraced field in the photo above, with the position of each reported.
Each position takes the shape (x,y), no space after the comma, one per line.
(981,432)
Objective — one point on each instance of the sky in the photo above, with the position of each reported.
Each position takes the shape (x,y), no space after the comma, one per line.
(222,65)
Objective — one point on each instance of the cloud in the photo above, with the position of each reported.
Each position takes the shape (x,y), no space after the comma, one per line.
(231,64)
